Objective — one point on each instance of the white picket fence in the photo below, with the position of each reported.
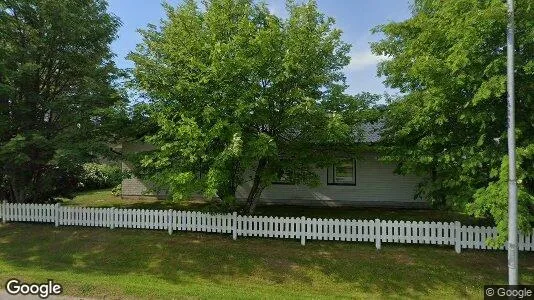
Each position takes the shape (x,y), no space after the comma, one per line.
(377,231)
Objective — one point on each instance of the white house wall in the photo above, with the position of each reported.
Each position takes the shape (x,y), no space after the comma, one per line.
(376,185)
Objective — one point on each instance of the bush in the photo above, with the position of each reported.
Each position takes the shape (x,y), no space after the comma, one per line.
(99,176)
(117,190)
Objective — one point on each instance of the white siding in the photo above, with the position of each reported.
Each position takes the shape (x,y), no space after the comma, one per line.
(376,185)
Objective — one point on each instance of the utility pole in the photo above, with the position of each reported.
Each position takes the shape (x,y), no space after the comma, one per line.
(513,273)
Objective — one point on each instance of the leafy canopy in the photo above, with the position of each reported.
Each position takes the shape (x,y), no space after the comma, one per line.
(233,87)
(56,93)
(449,61)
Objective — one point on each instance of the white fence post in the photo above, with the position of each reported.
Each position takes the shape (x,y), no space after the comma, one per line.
(303,231)
(56,214)
(457,237)
(169,221)
(378,236)
(112,218)
(452,233)
(234,225)
(4,212)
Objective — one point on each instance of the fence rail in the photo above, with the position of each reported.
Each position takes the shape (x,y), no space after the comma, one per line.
(377,231)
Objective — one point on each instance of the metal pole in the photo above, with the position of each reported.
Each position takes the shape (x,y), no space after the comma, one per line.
(513,273)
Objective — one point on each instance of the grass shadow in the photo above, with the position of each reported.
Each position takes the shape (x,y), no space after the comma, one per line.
(318,267)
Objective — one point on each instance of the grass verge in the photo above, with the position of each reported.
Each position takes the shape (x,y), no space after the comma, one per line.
(104,198)
(125,263)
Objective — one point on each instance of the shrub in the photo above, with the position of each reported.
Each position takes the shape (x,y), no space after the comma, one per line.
(117,190)
(99,176)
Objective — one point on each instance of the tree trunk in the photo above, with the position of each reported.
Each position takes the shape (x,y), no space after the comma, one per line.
(228,189)
(17,192)
(256,189)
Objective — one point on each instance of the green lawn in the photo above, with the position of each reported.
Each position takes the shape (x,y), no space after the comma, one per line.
(104,198)
(127,263)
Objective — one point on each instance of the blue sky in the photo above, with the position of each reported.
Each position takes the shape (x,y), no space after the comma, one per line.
(354,17)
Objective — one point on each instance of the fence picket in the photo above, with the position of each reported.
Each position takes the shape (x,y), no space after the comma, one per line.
(438,233)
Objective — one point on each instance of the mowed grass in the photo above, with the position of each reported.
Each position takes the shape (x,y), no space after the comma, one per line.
(104,198)
(131,263)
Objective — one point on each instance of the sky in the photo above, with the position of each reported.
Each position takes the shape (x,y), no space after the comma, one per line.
(354,17)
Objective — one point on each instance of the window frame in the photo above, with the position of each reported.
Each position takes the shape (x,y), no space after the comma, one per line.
(332,180)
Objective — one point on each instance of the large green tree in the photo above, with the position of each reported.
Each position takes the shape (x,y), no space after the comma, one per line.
(449,125)
(233,88)
(56,93)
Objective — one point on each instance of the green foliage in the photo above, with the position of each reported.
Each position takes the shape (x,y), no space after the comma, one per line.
(494,197)
(99,176)
(56,94)
(117,190)
(234,88)
(449,61)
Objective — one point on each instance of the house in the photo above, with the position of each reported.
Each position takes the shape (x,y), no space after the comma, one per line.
(365,181)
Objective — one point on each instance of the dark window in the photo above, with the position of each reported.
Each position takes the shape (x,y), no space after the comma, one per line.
(343,173)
